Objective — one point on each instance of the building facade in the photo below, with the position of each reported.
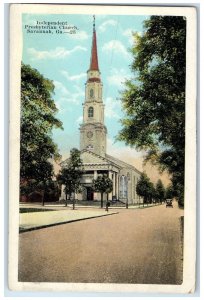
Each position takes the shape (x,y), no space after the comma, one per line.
(93,136)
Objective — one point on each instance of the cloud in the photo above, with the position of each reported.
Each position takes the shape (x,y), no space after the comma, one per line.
(57,53)
(106,25)
(115,46)
(70,99)
(73,77)
(61,107)
(79,90)
(61,88)
(79,120)
(129,34)
(78,96)
(117,77)
(111,108)
(64,95)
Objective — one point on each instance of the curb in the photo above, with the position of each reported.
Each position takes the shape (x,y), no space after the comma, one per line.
(22,230)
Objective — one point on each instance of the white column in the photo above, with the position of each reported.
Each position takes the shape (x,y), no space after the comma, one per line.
(110,177)
(117,186)
(95,194)
(114,183)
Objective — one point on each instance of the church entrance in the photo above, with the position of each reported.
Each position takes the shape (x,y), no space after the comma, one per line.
(90,193)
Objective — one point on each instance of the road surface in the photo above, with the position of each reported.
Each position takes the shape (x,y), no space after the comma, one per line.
(135,246)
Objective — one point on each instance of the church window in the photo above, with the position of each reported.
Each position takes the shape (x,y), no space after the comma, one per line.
(90,112)
(89,147)
(91,93)
(123,189)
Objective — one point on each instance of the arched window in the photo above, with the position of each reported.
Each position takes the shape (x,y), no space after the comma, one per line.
(90,112)
(123,186)
(91,93)
(89,147)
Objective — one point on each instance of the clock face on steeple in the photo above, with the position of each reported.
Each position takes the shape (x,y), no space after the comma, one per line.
(89,134)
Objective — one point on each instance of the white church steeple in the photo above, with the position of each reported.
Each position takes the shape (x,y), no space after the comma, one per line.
(93,131)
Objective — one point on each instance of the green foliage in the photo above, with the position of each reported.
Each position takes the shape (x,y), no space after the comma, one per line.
(37,121)
(71,173)
(145,188)
(154,100)
(102,184)
(160,191)
(169,194)
(46,188)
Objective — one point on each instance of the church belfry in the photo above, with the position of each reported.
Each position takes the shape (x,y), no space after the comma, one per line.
(92,130)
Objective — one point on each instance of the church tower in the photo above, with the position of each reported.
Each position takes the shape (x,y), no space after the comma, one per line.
(92,130)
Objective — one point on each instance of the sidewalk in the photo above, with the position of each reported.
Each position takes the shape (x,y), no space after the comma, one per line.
(38,220)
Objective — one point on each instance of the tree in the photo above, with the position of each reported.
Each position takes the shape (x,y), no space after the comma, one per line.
(145,188)
(71,173)
(37,121)
(154,99)
(160,191)
(152,193)
(103,184)
(169,194)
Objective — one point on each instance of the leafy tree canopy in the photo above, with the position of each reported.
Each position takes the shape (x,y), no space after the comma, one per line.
(102,184)
(160,191)
(71,172)
(37,121)
(145,188)
(154,99)
(169,192)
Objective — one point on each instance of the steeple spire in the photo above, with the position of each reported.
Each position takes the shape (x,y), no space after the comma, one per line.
(94,55)
(94,23)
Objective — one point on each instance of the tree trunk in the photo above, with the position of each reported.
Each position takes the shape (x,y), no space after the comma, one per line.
(66,200)
(74,203)
(107,201)
(43,198)
(101,200)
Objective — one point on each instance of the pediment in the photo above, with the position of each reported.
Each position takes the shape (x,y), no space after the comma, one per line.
(89,157)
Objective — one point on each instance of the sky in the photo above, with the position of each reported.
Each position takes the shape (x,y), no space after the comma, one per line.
(65,58)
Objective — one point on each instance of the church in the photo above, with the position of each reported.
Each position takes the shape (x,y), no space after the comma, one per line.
(93,136)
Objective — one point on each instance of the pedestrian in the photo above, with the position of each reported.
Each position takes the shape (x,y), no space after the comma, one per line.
(107,205)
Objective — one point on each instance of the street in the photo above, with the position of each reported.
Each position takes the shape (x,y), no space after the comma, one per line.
(134,246)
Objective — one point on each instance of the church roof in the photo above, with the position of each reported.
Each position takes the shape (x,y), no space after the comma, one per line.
(108,159)
(112,160)
(121,163)
(99,159)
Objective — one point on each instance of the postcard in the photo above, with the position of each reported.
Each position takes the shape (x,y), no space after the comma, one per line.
(102,148)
